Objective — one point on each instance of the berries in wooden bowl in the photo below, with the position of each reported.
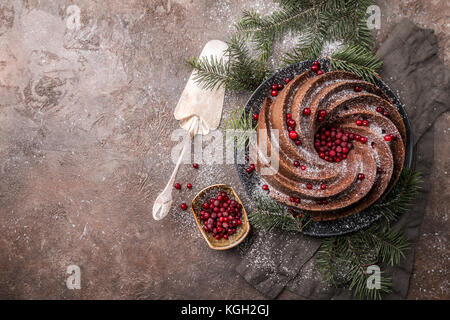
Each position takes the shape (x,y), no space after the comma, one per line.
(220,216)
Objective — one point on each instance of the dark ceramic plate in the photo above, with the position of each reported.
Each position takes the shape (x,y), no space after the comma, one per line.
(252,182)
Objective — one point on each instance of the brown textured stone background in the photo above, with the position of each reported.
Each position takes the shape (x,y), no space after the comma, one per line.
(85,126)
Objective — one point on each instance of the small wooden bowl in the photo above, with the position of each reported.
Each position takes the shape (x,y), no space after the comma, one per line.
(241,231)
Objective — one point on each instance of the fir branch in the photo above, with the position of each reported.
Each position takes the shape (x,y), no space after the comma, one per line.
(269,221)
(401,196)
(358,60)
(240,72)
(375,245)
(239,126)
(337,20)
(307,48)
(294,4)
(210,72)
(269,215)
(245,70)
(263,30)
(343,261)
(318,22)
(390,245)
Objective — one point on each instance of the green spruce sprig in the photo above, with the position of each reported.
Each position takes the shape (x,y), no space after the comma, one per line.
(317,24)
(269,215)
(263,31)
(343,261)
(240,72)
(239,126)
(356,59)
(399,200)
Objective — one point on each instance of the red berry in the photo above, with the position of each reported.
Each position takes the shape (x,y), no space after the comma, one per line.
(322,113)
(177,186)
(291,123)
(309,186)
(363,140)
(380,109)
(298,142)
(288,116)
(306,111)
(183,206)
(359,122)
(365,123)
(274,93)
(320,119)
(316,63)
(320,72)
(189,186)
(315,68)
(387,137)
(274,87)
(296,163)
(303,167)
(248,170)
(323,186)
(255,116)
(280,87)
(252,166)
(293,135)
(195,165)
(358,89)
(386,114)
(361,176)
(287,80)
(265,187)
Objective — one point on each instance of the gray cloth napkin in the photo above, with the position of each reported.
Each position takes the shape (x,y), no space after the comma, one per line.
(411,67)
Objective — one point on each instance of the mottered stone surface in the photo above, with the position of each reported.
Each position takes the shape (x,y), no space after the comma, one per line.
(85,142)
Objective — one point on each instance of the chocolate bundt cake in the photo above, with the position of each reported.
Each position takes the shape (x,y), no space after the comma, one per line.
(341,144)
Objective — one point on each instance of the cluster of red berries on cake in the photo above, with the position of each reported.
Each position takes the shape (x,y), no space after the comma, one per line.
(341,143)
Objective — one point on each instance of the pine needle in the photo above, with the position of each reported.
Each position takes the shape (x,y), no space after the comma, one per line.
(343,261)
(239,126)
(400,198)
(358,60)
(316,22)
(270,214)
(240,72)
